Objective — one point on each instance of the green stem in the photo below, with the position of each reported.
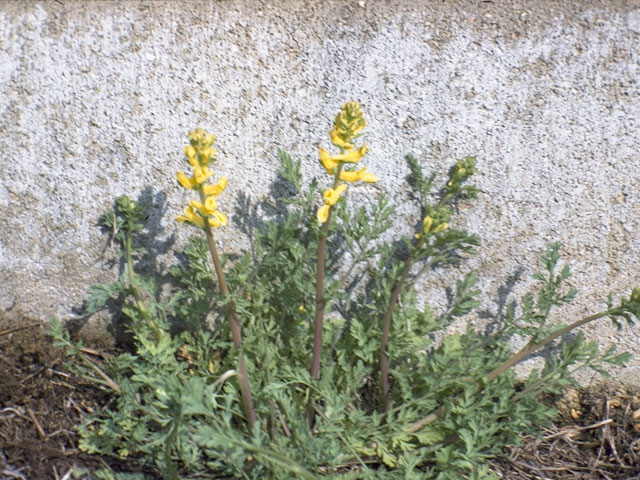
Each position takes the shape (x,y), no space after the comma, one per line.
(513,360)
(107,380)
(171,440)
(280,460)
(136,292)
(530,348)
(386,328)
(243,378)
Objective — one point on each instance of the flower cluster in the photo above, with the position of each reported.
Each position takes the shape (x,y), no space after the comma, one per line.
(347,127)
(435,222)
(462,170)
(199,154)
(633,304)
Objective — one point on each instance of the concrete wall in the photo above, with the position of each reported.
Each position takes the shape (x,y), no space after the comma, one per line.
(96,100)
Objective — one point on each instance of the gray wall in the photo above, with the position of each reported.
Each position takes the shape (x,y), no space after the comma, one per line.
(96,100)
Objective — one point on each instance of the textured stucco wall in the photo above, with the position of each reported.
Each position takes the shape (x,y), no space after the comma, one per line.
(96,100)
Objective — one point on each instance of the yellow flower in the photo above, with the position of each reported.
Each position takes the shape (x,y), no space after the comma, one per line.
(215,189)
(351,156)
(218,219)
(332,195)
(201,174)
(186,182)
(207,154)
(190,216)
(209,208)
(190,152)
(440,228)
(426,224)
(327,161)
(199,136)
(200,152)
(323,213)
(331,162)
(358,175)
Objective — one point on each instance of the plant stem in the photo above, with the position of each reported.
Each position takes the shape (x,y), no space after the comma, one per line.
(530,348)
(320,301)
(243,378)
(136,292)
(388,315)
(514,359)
(171,440)
(108,381)
(386,328)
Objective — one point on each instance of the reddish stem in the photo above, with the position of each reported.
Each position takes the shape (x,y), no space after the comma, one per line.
(320,301)
(243,378)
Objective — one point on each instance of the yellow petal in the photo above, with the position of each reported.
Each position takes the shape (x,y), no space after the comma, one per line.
(351,176)
(186,182)
(218,219)
(208,153)
(323,213)
(201,174)
(332,195)
(190,152)
(441,227)
(215,189)
(351,156)
(358,175)
(190,216)
(327,161)
(195,204)
(210,205)
(426,224)
(369,178)
(328,196)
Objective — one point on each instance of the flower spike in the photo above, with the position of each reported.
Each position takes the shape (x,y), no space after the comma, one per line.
(200,154)
(347,127)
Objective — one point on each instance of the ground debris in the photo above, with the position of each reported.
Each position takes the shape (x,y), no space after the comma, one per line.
(40,406)
(595,437)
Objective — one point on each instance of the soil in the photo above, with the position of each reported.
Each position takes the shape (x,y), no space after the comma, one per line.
(597,435)
(40,406)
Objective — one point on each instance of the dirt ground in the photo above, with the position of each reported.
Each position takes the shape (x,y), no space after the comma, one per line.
(596,437)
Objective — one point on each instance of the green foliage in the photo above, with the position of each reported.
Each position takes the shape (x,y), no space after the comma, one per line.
(454,402)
